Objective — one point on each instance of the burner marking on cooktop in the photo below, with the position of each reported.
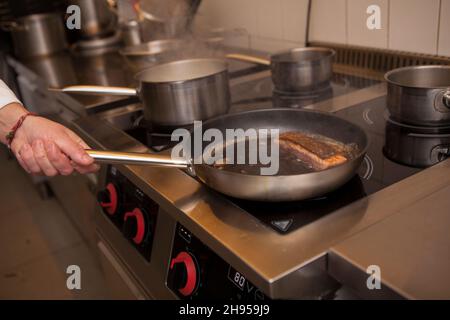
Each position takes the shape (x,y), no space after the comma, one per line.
(282,225)
(369,170)
(367,118)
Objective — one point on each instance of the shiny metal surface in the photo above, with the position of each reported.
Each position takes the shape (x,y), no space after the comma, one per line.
(176,93)
(38,35)
(302,69)
(131,33)
(419,95)
(238,237)
(97,18)
(98,90)
(288,187)
(418,259)
(144,55)
(247,58)
(297,70)
(414,146)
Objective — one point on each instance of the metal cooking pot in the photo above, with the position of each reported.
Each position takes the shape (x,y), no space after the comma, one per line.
(145,55)
(420,95)
(176,93)
(97,18)
(299,69)
(37,34)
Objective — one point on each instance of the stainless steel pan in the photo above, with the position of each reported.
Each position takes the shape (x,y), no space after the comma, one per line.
(176,93)
(420,95)
(289,187)
(299,69)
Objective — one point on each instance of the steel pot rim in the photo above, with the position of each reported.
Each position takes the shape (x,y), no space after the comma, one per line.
(388,75)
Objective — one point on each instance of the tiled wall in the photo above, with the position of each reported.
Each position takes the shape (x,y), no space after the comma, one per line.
(271,24)
(411,25)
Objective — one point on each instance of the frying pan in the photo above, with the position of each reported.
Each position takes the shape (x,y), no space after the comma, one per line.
(291,187)
(297,70)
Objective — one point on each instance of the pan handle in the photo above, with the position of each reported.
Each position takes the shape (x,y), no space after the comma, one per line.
(98,90)
(247,58)
(9,26)
(134,158)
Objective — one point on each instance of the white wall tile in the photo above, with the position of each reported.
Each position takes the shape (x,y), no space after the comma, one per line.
(358,32)
(230,14)
(295,13)
(413,25)
(444,29)
(328,21)
(270,19)
(272,45)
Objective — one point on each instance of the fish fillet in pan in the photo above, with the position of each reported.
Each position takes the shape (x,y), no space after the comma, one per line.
(317,151)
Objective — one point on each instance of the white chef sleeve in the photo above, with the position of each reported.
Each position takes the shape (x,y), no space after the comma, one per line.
(6,95)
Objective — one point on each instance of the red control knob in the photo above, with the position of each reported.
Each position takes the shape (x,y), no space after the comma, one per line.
(135,225)
(109,199)
(186,273)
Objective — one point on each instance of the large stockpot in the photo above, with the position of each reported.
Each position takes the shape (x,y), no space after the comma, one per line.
(176,93)
(297,70)
(37,34)
(420,95)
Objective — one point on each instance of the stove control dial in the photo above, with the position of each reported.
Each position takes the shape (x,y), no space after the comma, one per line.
(135,225)
(109,199)
(185,273)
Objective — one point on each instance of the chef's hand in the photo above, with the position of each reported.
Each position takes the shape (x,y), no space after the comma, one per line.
(45,147)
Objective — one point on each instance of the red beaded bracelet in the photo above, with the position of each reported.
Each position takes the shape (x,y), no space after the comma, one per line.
(10,136)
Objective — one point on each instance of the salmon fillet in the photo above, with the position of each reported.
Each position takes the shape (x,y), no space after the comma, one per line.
(316,151)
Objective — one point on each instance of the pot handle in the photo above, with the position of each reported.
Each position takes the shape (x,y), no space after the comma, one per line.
(247,58)
(446,98)
(98,90)
(134,158)
(442,152)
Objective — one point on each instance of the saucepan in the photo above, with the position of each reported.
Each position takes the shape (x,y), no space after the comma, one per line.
(414,146)
(299,69)
(175,93)
(290,183)
(420,95)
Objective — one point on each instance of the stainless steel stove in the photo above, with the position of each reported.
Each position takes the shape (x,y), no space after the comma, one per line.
(169,236)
